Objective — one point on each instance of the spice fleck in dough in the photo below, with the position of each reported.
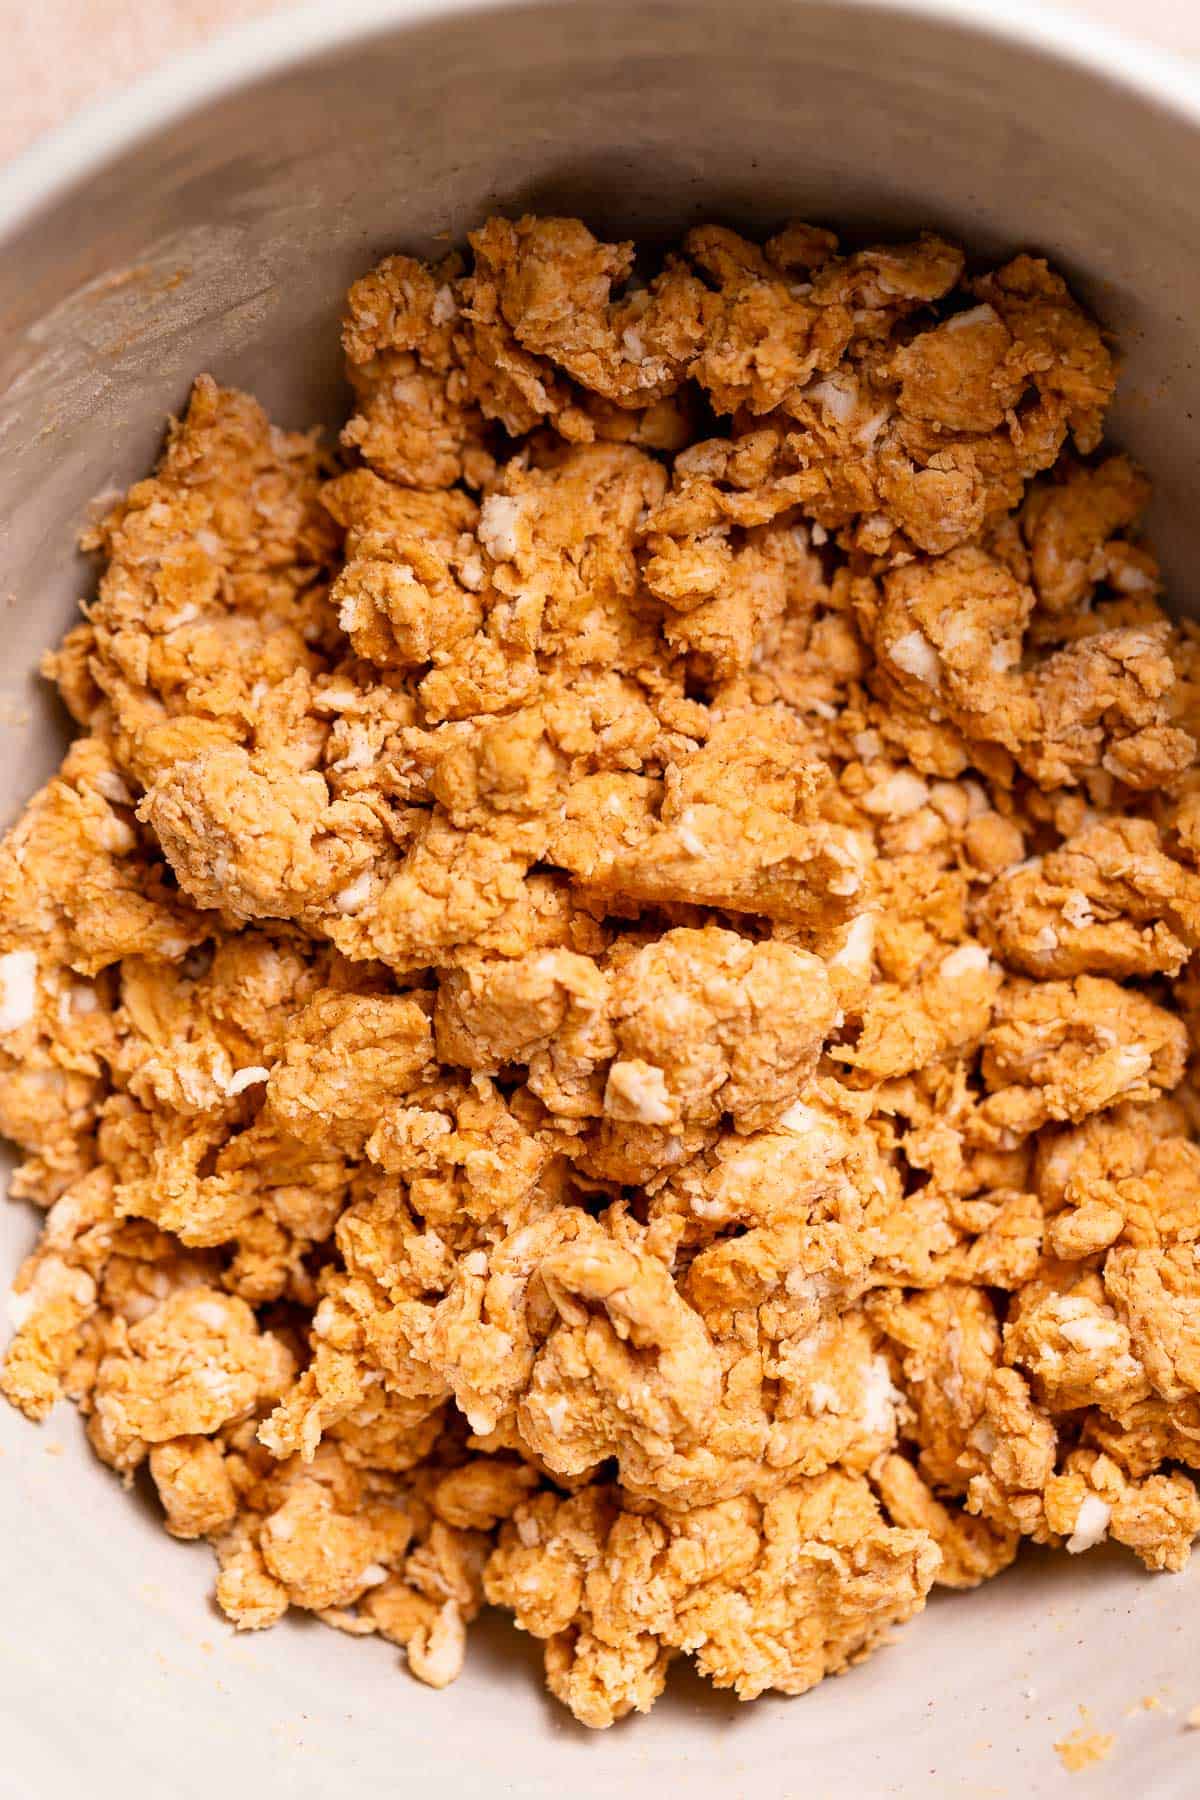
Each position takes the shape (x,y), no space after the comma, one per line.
(601,1008)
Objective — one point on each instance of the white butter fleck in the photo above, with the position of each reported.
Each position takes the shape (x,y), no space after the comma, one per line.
(110,784)
(800,1117)
(359,754)
(18,989)
(638,1091)
(880,1399)
(470,572)
(1091,1524)
(443,308)
(1129,579)
(858,946)
(968,959)
(1093,1333)
(916,656)
(241,1079)
(976,315)
(354,896)
(20,1306)
(1133,1060)
(210,1313)
(898,795)
(837,396)
(497,528)
(692,842)
(350,615)
(823,1398)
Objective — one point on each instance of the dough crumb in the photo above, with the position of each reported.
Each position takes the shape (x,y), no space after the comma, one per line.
(1082,1749)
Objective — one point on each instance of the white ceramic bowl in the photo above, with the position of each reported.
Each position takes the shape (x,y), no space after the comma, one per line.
(212,219)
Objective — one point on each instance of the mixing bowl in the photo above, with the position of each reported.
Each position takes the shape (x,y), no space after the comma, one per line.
(211,220)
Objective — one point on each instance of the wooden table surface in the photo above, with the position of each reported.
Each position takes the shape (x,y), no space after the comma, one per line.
(59,55)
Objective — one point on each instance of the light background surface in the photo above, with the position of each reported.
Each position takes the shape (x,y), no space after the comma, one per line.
(59,55)
(176,1705)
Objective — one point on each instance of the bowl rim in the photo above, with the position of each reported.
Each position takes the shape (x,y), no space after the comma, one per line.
(59,159)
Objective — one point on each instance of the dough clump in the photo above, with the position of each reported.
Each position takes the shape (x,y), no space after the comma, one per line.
(600,1010)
